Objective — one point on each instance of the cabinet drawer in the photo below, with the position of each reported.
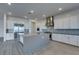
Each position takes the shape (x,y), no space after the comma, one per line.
(73,40)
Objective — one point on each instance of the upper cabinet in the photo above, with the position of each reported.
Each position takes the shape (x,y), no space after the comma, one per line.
(62,22)
(74,22)
(66,23)
(67,20)
(58,24)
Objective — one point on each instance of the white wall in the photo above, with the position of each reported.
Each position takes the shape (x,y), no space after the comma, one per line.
(1,26)
(41,24)
(10,25)
(12,20)
(68,20)
(27,24)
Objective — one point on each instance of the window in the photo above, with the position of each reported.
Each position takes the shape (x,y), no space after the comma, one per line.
(19,28)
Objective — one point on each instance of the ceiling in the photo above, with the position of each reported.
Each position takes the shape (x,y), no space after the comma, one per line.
(49,9)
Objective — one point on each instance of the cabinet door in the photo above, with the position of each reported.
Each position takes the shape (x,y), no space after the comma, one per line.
(53,36)
(66,23)
(66,39)
(69,39)
(77,40)
(73,40)
(73,22)
(62,22)
(56,37)
(62,38)
(58,24)
(77,21)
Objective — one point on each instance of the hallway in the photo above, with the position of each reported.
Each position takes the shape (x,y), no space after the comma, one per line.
(10,48)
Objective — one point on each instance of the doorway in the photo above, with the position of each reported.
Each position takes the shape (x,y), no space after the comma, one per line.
(33,27)
(18,29)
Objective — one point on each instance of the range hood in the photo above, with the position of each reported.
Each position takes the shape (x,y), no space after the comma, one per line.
(50,21)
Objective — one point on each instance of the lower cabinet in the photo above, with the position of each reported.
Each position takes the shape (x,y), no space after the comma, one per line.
(56,37)
(73,40)
(65,38)
(69,39)
(78,41)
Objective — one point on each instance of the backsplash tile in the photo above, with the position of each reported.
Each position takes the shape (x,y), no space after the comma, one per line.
(67,31)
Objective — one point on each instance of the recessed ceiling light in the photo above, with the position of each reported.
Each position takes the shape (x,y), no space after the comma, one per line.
(59,9)
(31,12)
(9,13)
(9,3)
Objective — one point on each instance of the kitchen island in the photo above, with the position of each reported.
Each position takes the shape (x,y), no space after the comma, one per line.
(34,42)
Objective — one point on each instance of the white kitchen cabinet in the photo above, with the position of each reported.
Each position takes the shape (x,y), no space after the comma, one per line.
(53,36)
(60,37)
(77,37)
(77,21)
(74,22)
(69,39)
(65,38)
(62,23)
(67,21)
(58,24)
(73,40)
(56,37)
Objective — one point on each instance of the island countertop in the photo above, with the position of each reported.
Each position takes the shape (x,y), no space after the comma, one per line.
(32,42)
